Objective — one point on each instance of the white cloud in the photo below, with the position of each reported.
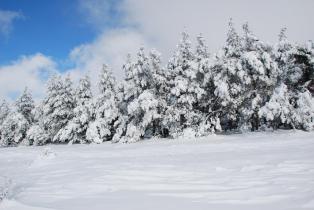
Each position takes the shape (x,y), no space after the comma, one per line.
(6,21)
(163,20)
(30,71)
(109,48)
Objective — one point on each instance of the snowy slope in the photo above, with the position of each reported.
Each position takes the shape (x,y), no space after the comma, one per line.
(247,171)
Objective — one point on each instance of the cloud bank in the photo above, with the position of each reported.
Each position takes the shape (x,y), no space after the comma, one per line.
(158,24)
(28,71)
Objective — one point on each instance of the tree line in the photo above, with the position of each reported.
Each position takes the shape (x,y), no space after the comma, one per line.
(248,85)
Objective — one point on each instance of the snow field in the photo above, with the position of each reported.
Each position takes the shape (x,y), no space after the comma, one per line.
(245,171)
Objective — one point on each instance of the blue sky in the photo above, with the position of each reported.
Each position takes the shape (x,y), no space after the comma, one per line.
(76,37)
(50,27)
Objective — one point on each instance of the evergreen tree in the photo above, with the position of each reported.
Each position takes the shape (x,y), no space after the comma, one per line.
(296,71)
(130,88)
(138,76)
(82,113)
(147,110)
(284,53)
(142,106)
(143,117)
(201,48)
(310,84)
(225,84)
(25,105)
(278,111)
(107,111)
(4,111)
(58,108)
(262,73)
(36,134)
(295,62)
(160,91)
(13,129)
(304,111)
(233,47)
(208,119)
(302,72)
(185,89)
(15,123)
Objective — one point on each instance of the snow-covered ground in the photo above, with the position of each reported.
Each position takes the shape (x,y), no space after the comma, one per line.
(246,171)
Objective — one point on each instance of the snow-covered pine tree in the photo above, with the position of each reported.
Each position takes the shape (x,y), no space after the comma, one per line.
(143,117)
(159,74)
(185,89)
(58,108)
(13,129)
(224,84)
(4,111)
(138,75)
(36,134)
(296,68)
(160,89)
(301,87)
(202,64)
(107,114)
(142,104)
(258,63)
(129,89)
(25,105)
(180,61)
(201,52)
(284,54)
(304,110)
(303,68)
(278,111)
(310,85)
(82,114)
(17,121)
(309,73)
(122,104)
(233,45)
